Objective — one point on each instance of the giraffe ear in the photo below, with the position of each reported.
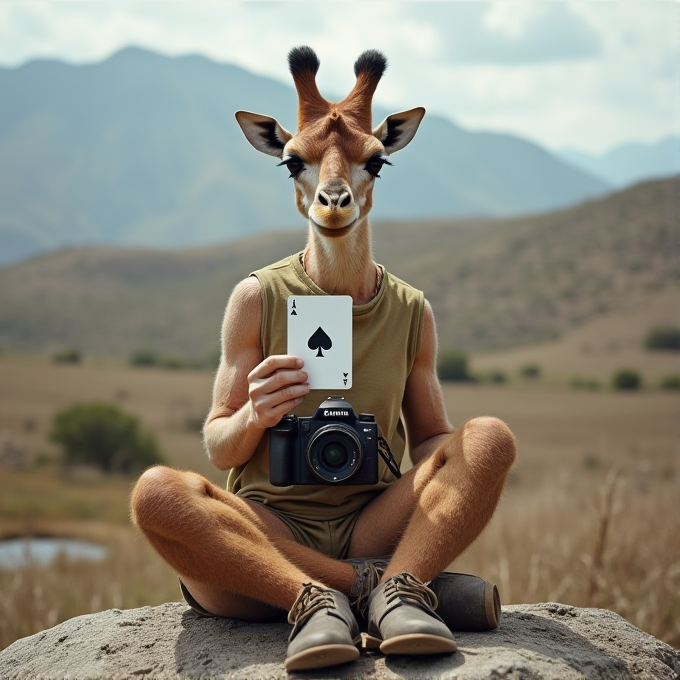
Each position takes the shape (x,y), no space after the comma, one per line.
(263,132)
(397,130)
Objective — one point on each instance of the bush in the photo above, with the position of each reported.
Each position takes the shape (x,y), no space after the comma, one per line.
(452,364)
(670,382)
(664,338)
(585,383)
(104,436)
(530,371)
(497,377)
(144,357)
(68,355)
(626,379)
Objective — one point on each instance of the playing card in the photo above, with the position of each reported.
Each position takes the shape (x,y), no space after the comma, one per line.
(320,333)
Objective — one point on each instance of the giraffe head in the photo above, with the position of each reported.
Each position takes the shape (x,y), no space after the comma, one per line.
(335,156)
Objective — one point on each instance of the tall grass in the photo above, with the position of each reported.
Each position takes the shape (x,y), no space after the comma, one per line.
(610,541)
(581,538)
(36,598)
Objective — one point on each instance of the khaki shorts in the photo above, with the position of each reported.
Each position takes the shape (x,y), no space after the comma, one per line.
(330,537)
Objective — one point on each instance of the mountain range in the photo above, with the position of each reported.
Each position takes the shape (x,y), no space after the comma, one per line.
(143,149)
(491,282)
(629,163)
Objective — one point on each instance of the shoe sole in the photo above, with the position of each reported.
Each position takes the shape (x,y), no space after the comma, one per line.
(320,657)
(418,643)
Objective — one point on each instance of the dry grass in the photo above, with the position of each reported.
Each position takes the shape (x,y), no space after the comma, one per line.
(562,532)
(37,598)
(547,543)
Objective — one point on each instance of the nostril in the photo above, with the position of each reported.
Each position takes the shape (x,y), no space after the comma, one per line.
(346,200)
(322,199)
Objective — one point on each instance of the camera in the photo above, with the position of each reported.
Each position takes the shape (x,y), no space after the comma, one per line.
(331,447)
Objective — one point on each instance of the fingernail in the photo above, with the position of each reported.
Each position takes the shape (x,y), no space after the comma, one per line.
(300,363)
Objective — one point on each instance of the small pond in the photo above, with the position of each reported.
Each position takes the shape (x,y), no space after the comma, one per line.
(22,552)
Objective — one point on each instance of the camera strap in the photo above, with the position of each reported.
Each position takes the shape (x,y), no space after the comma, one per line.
(384,451)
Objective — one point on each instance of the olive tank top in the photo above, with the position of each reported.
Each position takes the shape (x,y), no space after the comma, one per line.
(386,336)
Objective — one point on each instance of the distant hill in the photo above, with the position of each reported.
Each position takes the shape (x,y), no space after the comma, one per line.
(630,163)
(143,149)
(492,282)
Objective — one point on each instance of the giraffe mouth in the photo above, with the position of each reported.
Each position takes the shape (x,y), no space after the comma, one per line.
(334,233)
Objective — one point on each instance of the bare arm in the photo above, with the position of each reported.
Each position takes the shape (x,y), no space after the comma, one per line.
(250,393)
(423,405)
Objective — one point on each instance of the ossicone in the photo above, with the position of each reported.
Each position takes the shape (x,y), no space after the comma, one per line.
(303,59)
(371,62)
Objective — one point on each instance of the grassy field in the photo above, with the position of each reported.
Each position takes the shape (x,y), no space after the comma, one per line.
(589,517)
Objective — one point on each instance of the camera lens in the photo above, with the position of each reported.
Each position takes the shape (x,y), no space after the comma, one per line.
(334,453)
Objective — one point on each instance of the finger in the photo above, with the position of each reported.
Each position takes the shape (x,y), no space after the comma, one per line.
(269,410)
(267,400)
(275,363)
(284,408)
(282,379)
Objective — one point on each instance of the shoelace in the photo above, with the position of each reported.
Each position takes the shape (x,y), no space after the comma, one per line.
(367,581)
(310,600)
(406,585)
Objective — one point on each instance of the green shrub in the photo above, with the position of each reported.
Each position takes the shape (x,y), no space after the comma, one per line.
(626,379)
(664,338)
(497,376)
(670,382)
(67,355)
(174,363)
(452,364)
(530,371)
(585,383)
(150,358)
(144,357)
(104,436)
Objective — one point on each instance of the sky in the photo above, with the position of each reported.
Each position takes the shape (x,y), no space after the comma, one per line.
(586,75)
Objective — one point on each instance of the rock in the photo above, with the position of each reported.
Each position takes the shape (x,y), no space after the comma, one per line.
(534,642)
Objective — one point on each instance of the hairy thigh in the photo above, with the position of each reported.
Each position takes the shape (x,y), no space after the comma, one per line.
(179,509)
(228,603)
(382,522)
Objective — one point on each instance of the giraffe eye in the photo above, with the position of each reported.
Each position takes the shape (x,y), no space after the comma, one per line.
(294,164)
(375,164)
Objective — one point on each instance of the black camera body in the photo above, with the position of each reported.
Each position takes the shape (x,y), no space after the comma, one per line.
(331,447)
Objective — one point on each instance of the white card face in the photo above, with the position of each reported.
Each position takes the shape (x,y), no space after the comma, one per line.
(320,333)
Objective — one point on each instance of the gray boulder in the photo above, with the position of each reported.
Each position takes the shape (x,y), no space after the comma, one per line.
(535,642)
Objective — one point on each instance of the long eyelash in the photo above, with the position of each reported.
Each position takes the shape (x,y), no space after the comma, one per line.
(377,157)
(290,158)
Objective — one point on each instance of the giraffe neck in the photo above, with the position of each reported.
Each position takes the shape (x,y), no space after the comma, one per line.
(343,266)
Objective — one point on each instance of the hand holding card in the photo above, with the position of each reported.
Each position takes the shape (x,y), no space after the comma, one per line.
(320,333)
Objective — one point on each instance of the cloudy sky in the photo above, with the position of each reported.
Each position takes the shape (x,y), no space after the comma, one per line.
(587,75)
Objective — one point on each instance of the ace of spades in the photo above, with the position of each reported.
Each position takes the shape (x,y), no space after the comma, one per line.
(320,333)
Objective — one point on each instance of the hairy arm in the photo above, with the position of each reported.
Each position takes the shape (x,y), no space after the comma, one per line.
(423,404)
(251,393)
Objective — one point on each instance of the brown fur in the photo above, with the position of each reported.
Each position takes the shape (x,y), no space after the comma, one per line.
(236,558)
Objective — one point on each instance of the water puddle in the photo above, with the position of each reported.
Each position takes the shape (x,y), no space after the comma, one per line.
(16,553)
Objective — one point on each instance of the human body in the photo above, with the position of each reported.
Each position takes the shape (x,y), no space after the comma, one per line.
(234,556)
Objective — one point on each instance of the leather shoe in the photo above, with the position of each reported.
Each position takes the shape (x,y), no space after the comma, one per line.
(325,632)
(401,614)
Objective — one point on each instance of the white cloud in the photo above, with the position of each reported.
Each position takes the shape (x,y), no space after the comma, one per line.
(581,74)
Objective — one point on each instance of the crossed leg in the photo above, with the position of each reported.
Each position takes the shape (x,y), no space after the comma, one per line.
(238,560)
(234,557)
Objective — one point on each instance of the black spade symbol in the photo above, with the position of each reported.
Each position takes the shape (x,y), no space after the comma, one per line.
(319,340)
